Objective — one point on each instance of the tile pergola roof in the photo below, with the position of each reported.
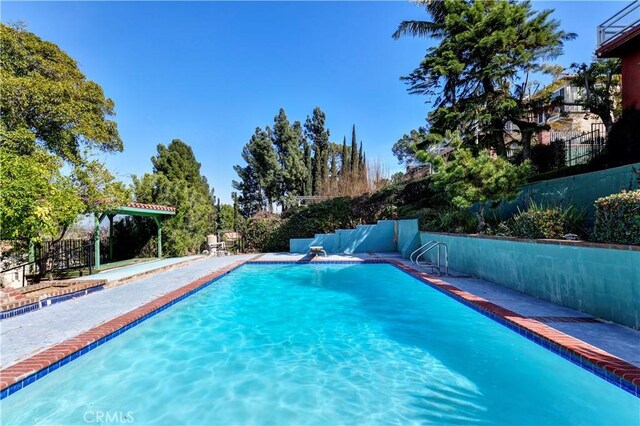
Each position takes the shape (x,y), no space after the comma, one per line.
(155,207)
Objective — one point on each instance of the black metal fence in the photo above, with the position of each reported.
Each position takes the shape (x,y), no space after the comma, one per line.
(584,147)
(56,258)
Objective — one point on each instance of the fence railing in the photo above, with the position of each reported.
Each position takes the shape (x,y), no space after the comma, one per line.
(623,21)
(56,257)
(582,147)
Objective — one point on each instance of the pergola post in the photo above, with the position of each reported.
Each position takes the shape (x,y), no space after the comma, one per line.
(159,223)
(96,240)
(110,216)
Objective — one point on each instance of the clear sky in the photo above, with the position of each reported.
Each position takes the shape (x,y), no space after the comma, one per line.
(210,72)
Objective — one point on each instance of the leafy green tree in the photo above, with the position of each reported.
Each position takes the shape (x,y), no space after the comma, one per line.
(261,156)
(406,147)
(316,132)
(485,46)
(195,216)
(46,100)
(292,168)
(36,200)
(600,81)
(98,189)
(178,162)
(251,199)
(466,179)
(53,119)
(226,216)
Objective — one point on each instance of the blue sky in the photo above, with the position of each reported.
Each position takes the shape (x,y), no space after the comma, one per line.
(210,72)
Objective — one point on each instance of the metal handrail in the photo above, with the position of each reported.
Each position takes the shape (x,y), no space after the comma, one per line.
(613,27)
(420,248)
(438,266)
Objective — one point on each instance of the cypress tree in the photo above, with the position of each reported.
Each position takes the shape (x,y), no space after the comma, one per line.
(334,171)
(354,151)
(308,161)
(360,158)
(344,158)
(315,130)
(234,197)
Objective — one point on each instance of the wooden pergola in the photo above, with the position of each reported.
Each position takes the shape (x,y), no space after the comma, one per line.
(155,211)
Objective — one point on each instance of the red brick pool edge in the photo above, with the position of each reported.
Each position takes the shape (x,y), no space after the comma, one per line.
(70,349)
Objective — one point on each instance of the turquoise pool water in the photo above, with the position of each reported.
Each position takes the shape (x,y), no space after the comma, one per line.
(320,344)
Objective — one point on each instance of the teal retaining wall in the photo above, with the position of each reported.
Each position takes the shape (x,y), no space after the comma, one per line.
(378,238)
(579,190)
(408,237)
(603,282)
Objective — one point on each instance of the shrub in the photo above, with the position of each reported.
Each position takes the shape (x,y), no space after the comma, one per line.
(539,221)
(618,218)
(449,219)
(260,232)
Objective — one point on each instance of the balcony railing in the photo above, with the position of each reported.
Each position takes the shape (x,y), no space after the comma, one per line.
(619,23)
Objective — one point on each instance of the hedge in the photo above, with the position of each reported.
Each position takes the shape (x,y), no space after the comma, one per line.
(618,218)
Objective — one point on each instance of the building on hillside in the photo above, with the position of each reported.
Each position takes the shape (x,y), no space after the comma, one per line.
(619,37)
(565,118)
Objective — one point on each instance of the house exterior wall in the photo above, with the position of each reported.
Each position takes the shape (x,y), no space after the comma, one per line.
(631,80)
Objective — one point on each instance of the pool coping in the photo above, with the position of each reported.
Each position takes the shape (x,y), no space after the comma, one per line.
(595,360)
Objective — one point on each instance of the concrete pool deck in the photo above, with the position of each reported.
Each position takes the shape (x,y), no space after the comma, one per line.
(31,333)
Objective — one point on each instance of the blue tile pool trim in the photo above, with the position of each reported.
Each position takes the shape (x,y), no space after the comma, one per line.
(48,301)
(19,311)
(41,373)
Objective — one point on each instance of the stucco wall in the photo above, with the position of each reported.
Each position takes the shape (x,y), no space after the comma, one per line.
(378,238)
(579,190)
(603,282)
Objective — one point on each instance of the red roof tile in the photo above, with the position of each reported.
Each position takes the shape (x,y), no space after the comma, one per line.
(152,207)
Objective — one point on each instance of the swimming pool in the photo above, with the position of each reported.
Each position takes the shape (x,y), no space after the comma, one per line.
(320,344)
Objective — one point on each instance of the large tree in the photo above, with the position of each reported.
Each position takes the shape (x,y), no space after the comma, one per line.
(178,162)
(251,199)
(600,83)
(46,100)
(36,200)
(286,140)
(52,120)
(176,181)
(318,134)
(354,150)
(484,49)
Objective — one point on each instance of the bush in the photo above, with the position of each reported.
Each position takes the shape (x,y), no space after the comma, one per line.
(544,222)
(260,234)
(449,219)
(618,218)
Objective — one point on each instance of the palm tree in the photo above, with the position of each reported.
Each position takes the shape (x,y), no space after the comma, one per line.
(438,12)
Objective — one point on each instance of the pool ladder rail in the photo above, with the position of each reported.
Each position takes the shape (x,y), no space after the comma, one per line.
(442,257)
